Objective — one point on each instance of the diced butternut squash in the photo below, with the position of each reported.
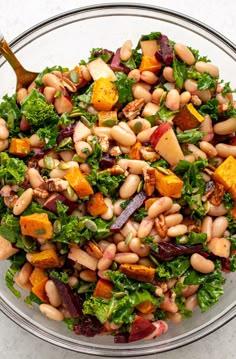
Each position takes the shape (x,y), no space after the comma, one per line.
(36,225)
(149,202)
(135,151)
(98,68)
(107,118)
(168,184)
(45,259)
(226,175)
(96,205)
(104,94)
(138,272)
(39,290)
(36,276)
(149,47)
(78,182)
(146,307)
(150,63)
(20,147)
(103,289)
(188,118)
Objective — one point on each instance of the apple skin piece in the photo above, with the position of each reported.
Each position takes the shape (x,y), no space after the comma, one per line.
(140,329)
(166,144)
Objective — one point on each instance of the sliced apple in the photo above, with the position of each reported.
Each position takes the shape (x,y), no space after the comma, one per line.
(140,329)
(98,68)
(6,249)
(166,144)
(149,47)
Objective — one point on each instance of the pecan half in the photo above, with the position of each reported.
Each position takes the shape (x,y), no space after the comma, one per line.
(114,170)
(216,197)
(56,185)
(133,108)
(40,193)
(104,143)
(148,154)
(93,250)
(149,180)
(115,151)
(161,226)
(10,200)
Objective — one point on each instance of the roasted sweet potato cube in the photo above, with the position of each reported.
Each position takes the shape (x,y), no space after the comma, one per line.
(149,202)
(103,289)
(39,290)
(45,259)
(104,94)
(135,151)
(36,225)
(226,173)
(168,184)
(188,118)
(146,307)
(96,205)
(138,272)
(36,276)
(150,63)
(20,147)
(78,182)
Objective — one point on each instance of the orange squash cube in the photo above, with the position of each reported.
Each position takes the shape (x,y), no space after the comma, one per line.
(36,225)
(104,94)
(36,276)
(45,259)
(78,182)
(168,184)
(20,147)
(96,205)
(226,173)
(150,63)
(107,118)
(39,290)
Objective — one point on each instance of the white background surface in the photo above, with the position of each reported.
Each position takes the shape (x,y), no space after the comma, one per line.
(17,16)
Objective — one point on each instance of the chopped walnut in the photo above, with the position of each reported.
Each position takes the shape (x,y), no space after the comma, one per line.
(148,154)
(104,143)
(196,100)
(115,151)
(114,170)
(149,180)
(133,108)
(161,226)
(216,197)
(56,185)
(10,200)
(40,193)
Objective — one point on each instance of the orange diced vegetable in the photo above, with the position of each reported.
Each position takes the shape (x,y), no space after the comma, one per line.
(150,63)
(103,289)
(96,205)
(36,276)
(78,182)
(20,147)
(168,184)
(226,175)
(146,307)
(149,202)
(135,151)
(104,95)
(107,118)
(36,225)
(39,290)
(45,259)
(138,272)
(233,212)
(188,118)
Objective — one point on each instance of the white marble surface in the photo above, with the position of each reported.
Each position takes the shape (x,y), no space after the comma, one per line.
(17,16)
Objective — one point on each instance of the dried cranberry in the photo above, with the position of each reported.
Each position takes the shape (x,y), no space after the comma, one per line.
(106,162)
(88,326)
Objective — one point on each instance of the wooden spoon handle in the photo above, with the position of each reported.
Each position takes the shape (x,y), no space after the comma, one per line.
(6,51)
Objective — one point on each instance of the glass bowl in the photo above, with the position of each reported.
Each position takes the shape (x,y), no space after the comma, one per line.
(64,40)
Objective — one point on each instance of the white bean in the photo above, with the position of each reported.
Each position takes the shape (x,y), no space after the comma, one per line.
(88,275)
(63,104)
(108,257)
(202,67)
(83,149)
(23,202)
(206,227)
(219,226)
(133,166)
(134,74)
(117,208)
(52,80)
(129,187)
(196,151)
(67,155)
(217,210)
(3,145)
(177,230)
(157,95)
(159,206)
(172,100)
(140,92)
(150,109)
(168,74)
(126,50)
(141,249)
(201,264)
(4,133)
(185,98)
(145,135)
(103,131)
(190,85)
(126,258)
(35,178)
(49,93)
(184,54)
(191,302)
(173,209)
(148,77)
(208,148)
(204,95)
(25,273)
(35,141)
(53,294)
(109,212)
(206,126)
(123,136)
(51,312)
(173,219)
(145,227)
(225,150)
(225,127)
(129,228)
(22,93)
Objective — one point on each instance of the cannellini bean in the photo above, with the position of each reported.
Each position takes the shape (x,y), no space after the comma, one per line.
(126,50)
(122,247)
(191,302)
(141,249)
(171,283)
(191,86)
(202,67)
(57,173)
(133,166)
(129,187)
(117,208)
(49,94)
(157,95)
(123,135)
(177,230)
(190,158)
(169,304)
(184,54)
(22,93)
(125,149)
(196,151)
(173,209)
(203,95)
(150,109)
(219,226)
(53,294)
(190,290)
(3,145)
(145,227)
(145,135)
(103,131)
(85,169)
(206,227)
(88,275)
(67,155)
(73,281)
(173,219)
(172,100)
(26,286)
(175,317)
(35,178)
(126,258)
(222,100)
(225,127)
(51,312)
(35,141)
(208,148)
(220,247)
(225,150)
(168,74)
(108,257)
(25,273)
(109,212)
(140,92)
(159,206)
(134,74)
(185,98)
(52,80)
(63,104)
(149,77)
(4,133)
(216,211)
(201,264)
(141,121)
(117,238)
(23,202)
(206,126)
(129,228)
(83,149)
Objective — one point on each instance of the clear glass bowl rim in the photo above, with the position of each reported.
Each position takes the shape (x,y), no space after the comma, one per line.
(59,341)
